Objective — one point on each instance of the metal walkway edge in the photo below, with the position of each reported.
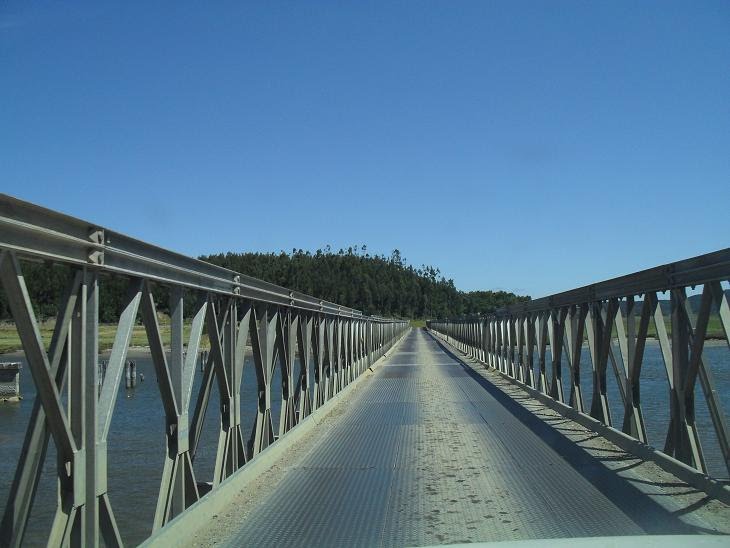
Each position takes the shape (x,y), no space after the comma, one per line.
(429,452)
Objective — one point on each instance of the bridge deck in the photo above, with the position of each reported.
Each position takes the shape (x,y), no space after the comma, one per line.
(429,451)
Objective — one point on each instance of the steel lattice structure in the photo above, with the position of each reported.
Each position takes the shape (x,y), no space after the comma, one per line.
(235,310)
(614,316)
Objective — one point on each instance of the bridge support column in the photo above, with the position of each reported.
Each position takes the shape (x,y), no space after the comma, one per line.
(178,488)
(541,336)
(599,341)
(320,380)
(10,381)
(264,354)
(304,383)
(83,503)
(575,332)
(683,441)
(331,359)
(286,344)
(556,331)
(170,379)
(338,355)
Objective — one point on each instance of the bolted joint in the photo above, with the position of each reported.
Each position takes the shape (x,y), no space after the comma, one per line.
(101,468)
(226,412)
(96,236)
(95,255)
(171,429)
(182,437)
(231,416)
(77,470)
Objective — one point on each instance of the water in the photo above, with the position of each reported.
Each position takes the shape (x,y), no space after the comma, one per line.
(137,443)
(136,446)
(655,395)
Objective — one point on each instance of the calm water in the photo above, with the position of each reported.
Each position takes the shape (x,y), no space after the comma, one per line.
(137,444)
(655,396)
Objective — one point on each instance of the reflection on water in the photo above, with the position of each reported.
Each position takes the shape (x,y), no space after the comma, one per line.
(137,444)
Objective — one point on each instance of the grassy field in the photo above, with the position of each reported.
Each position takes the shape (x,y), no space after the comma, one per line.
(10,342)
(714,328)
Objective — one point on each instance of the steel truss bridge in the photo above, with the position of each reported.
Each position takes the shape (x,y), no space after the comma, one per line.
(514,340)
(386,435)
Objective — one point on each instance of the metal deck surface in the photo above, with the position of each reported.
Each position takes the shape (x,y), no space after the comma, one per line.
(427,454)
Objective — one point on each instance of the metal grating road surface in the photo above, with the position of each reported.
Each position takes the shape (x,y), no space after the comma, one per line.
(427,454)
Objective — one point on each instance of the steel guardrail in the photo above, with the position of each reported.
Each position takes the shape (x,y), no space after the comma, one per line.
(613,318)
(334,345)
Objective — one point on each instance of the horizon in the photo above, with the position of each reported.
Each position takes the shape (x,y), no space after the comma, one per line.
(363,250)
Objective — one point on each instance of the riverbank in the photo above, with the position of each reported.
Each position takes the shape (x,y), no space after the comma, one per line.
(714,328)
(10,341)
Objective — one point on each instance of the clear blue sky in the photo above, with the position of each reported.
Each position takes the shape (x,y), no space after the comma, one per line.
(527,146)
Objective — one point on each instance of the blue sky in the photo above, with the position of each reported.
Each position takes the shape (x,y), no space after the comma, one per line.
(527,146)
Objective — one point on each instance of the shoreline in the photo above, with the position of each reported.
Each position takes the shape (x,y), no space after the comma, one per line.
(139,349)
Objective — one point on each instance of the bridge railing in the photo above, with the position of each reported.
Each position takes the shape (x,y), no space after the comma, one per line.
(74,407)
(612,321)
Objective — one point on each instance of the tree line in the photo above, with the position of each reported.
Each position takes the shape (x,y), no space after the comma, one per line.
(375,284)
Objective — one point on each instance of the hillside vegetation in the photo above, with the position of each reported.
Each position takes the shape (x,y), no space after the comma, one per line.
(375,284)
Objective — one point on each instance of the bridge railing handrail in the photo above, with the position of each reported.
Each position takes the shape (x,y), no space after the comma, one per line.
(38,232)
(243,317)
(613,317)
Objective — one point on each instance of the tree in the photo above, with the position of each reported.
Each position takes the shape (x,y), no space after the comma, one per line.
(375,284)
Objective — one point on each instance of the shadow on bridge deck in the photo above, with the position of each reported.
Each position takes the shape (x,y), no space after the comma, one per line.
(430,451)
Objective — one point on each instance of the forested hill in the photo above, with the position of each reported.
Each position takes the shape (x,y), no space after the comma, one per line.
(375,284)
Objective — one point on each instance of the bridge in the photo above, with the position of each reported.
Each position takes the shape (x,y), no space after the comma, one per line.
(534,422)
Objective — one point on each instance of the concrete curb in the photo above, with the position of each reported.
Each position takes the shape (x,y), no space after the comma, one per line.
(199,514)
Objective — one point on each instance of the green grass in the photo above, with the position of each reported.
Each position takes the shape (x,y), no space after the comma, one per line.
(10,342)
(714,328)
